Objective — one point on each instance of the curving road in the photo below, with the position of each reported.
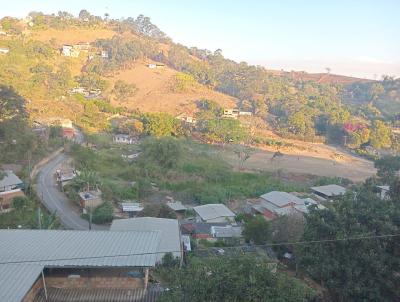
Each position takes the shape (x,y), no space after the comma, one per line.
(56,201)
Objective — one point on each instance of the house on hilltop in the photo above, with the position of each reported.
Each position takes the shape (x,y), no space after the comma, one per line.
(124,139)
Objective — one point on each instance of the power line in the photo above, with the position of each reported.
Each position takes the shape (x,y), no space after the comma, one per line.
(205,249)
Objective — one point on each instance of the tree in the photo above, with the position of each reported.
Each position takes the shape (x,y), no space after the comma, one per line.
(123,90)
(20,202)
(160,124)
(232,278)
(243,153)
(158,210)
(224,130)
(363,277)
(166,152)
(387,167)
(380,136)
(84,15)
(257,230)
(103,213)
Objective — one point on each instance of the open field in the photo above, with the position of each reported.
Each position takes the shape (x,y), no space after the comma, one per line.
(354,168)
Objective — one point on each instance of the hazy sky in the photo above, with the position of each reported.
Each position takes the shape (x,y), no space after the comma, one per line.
(352,37)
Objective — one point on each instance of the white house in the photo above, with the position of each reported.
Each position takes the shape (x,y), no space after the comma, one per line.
(70,51)
(212,213)
(4,50)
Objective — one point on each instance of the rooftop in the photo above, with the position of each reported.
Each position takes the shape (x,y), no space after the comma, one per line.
(16,280)
(10,179)
(281,199)
(176,206)
(54,248)
(211,211)
(330,190)
(168,228)
(226,231)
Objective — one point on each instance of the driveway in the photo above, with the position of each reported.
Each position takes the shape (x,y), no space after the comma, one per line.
(56,201)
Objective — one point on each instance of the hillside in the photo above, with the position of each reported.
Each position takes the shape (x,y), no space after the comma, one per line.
(156,93)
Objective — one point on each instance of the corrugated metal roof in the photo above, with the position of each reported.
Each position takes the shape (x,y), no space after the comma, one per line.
(16,280)
(176,206)
(131,207)
(10,179)
(330,190)
(226,231)
(212,211)
(168,228)
(280,199)
(79,248)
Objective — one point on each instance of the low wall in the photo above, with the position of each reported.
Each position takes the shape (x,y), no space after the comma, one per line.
(94,282)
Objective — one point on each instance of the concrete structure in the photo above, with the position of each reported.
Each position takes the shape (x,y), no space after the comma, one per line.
(329,191)
(4,50)
(10,186)
(70,51)
(226,232)
(383,192)
(169,232)
(231,113)
(211,213)
(90,199)
(45,259)
(124,139)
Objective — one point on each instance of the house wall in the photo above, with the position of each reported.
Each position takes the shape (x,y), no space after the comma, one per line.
(92,278)
(220,220)
(30,296)
(7,197)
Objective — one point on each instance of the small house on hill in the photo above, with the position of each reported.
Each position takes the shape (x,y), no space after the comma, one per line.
(10,186)
(176,206)
(4,50)
(70,51)
(211,213)
(329,191)
(231,113)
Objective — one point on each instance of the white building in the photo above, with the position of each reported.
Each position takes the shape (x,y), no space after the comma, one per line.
(124,139)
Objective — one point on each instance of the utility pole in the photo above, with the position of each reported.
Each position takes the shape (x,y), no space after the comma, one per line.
(39,218)
(90,218)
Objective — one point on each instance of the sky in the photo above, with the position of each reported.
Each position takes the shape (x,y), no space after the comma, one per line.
(354,37)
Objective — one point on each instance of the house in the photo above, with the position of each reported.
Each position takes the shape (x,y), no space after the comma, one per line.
(211,213)
(277,203)
(132,208)
(105,54)
(170,241)
(4,50)
(245,113)
(68,133)
(329,191)
(228,232)
(70,51)
(186,119)
(10,186)
(153,66)
(177,206)
(308,202)
(200,230)
(383,192)
(231,113)
(124,139)
(65,123)
(65,175)
(82,46)
(90,199)
(49,263)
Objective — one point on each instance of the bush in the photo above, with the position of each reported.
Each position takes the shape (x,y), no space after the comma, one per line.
(20,202)
(103,213)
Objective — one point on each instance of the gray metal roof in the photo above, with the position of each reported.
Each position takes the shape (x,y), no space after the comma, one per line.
(16,280)
(168,228)
(280,199)
(330,190)
(212,211)
(79,248)
(9,179)
(226,231)
(176,206)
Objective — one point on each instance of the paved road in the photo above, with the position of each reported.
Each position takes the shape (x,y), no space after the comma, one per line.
(56,201)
